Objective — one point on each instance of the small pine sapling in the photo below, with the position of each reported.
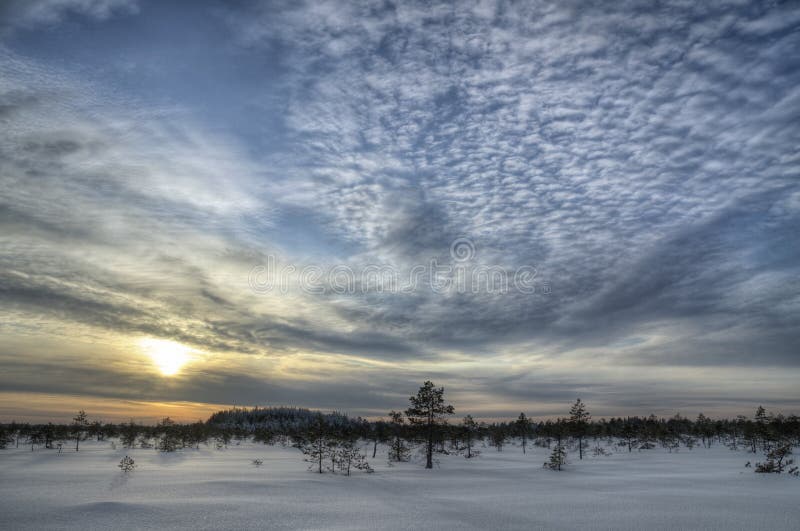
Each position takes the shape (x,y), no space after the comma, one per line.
(127,464)
(398,450)
(778,461)
(558,457)
(347,456)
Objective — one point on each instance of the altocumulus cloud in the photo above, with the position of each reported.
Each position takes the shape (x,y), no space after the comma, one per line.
(642,158)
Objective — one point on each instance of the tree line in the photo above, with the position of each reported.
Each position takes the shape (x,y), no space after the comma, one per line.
(336,442)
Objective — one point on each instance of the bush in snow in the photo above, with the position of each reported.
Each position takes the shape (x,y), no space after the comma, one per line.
(778,461)
(598,451)
(646,442)
(126,464)
(346,456)
(325,450)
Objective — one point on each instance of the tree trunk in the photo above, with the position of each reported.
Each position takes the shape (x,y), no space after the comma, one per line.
(375,448)
(580,447)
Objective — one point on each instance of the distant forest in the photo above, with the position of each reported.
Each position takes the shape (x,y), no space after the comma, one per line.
(427,426)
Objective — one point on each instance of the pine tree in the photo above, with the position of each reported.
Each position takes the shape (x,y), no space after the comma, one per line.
(128,434)
(498,438)
(79,424)
(96,430)
(647,435)
(763,420)
(705,428)
(468,429)
(226,435)
(628,434)
(558,457)
(428,410)
(579,420)
(398,451)
(48,432)
(168,442)
(318,446)
(35,438)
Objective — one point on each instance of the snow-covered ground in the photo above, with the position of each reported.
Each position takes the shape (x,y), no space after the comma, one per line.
(222,489)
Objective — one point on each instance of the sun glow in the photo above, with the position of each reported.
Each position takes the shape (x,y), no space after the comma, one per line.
(167,355)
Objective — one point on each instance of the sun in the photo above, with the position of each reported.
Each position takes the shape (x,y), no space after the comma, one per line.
(167,355)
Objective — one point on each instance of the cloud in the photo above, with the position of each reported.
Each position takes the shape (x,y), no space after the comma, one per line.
(618,149)
(33,13)
(642,158)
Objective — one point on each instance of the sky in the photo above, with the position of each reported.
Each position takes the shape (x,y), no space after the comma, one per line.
(560,199)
